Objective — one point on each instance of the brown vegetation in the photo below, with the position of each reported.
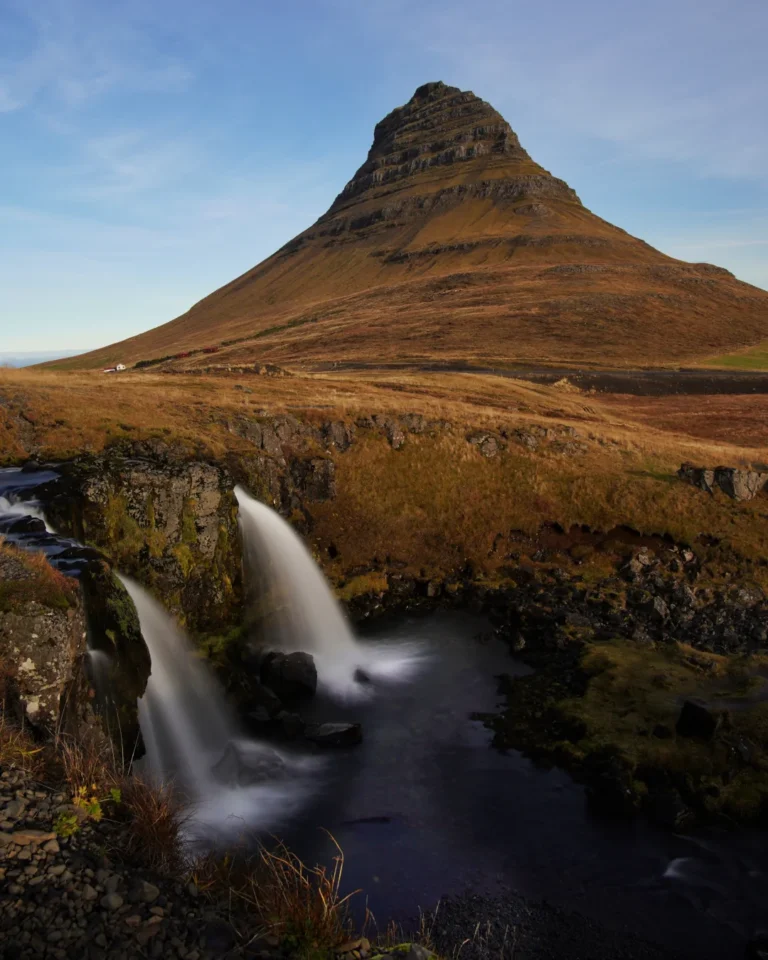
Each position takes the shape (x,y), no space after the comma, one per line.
(739,420)
(18,747)
(437,502)
(45,586)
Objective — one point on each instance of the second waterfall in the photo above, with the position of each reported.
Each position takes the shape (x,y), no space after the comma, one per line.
(297,610)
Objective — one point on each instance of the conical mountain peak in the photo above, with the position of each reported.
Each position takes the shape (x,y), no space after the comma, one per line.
(450,243)
(440,126)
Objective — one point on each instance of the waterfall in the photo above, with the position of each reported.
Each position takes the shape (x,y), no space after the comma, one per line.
(98,666)
(20,508)
(14,484)
(298,611)
(232,783)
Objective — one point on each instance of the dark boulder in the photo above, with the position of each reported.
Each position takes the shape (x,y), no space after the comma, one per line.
(697,719)
(335,734)
(283,725)
(261,697)
(11,523)
(289,725)
(259,719)
(700,477)
(292,676)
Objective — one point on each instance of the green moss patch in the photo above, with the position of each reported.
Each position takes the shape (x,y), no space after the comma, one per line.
(622,700)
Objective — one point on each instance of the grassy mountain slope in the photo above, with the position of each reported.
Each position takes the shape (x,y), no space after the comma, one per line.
(450,243)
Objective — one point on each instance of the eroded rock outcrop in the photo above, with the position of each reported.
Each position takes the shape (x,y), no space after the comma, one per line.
(735,483)
(42,640)
(171,522)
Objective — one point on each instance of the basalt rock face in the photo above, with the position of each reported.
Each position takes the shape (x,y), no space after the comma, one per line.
(42,644)
(170,522)
(57,616)
(442,126)
(450,243)
(114,629)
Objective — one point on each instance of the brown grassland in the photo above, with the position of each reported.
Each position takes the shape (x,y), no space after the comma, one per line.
(437,503)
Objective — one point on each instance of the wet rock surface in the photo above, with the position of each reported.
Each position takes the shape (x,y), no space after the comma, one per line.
(170,521)
(291,676)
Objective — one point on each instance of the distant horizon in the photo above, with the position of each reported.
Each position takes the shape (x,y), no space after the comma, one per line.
(26,358)
(154,152)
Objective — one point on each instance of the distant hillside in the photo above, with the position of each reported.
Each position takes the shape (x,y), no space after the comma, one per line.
(451,244)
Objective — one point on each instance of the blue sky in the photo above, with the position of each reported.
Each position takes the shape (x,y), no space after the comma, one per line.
(152,151)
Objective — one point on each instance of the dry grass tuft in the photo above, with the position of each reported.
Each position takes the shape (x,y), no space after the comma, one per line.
(156,826)
(155,813)
(18,748)
(302,906)
(298,902)
(88,762)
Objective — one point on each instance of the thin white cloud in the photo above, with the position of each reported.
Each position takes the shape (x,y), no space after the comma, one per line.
(679,80)
(73,51)
(127,163)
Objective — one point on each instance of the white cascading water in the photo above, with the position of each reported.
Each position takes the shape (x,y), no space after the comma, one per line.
(22,509)
(303,613)
(99,664)
(232,783)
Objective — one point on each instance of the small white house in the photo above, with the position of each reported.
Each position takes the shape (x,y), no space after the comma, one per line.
(119,367)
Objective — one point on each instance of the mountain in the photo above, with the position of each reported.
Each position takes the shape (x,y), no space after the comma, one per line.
(451,244)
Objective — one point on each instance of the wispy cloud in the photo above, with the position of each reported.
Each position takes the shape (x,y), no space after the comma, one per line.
(74,51)
(676,80)
(131,162)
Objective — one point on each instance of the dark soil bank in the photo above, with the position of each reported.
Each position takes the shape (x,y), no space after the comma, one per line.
(640,383)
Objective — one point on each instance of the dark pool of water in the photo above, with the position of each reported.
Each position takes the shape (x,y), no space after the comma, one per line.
(425,808)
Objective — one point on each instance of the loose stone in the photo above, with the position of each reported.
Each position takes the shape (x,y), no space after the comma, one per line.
(111,901)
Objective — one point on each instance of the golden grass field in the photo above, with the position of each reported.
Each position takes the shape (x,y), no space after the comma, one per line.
(437,502)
